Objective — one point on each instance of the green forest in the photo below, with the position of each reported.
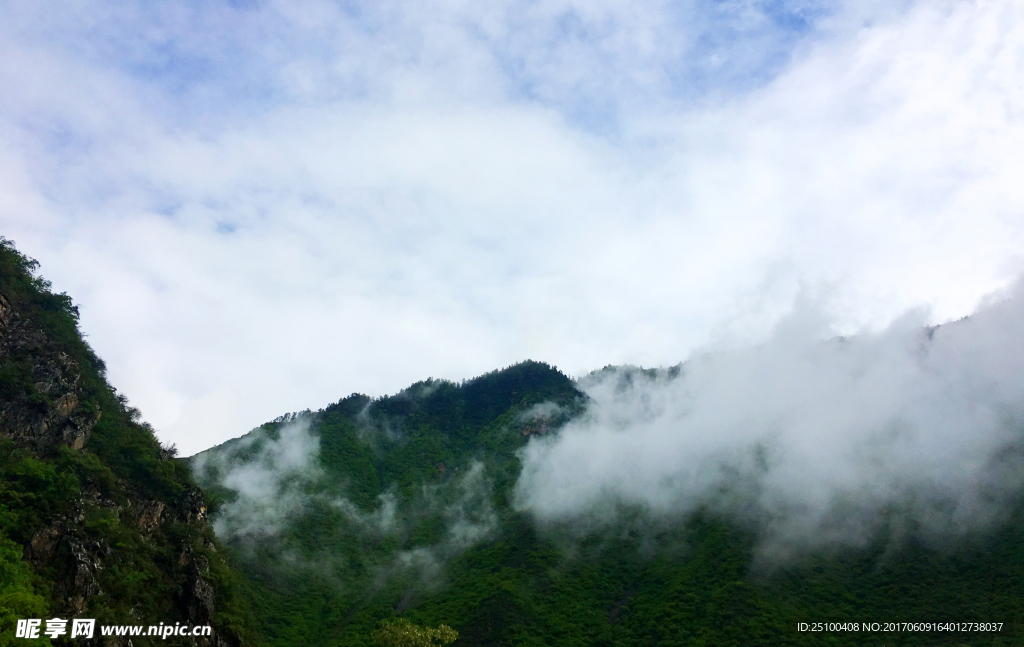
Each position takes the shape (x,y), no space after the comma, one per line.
(327,576)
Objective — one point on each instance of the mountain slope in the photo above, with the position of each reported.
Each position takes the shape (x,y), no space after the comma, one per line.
(405,505)
(97,519)
(325,508)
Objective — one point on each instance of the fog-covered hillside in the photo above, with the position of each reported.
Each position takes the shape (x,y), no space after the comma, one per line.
(720,502)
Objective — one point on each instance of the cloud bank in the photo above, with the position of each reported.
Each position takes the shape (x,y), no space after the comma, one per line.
(815,440)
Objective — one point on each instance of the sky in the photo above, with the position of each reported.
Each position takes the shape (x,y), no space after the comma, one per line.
(261,207)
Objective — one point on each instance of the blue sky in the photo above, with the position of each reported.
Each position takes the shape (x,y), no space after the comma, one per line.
(200,60)
(264,206)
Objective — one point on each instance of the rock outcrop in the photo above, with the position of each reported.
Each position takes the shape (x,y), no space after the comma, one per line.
(46,411)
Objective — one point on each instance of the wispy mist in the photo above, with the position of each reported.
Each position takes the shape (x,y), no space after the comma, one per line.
(817,439)
(267,475)
(469,516)
(275,478)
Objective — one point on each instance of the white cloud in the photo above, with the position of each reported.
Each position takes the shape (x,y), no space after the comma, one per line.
(819,439)
(280,205)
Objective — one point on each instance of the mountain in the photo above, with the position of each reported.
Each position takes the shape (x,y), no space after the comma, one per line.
(342,515)
(423,505)
(406,506)
(97,519)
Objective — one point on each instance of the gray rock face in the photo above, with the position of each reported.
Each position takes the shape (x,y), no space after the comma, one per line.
(62,542)
(48,414)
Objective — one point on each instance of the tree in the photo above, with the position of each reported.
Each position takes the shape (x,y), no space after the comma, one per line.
(18,598)
(402,633)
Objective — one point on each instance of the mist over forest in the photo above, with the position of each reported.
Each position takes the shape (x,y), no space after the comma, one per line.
(806,458)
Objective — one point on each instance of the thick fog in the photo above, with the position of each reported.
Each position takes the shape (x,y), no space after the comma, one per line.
(816,438)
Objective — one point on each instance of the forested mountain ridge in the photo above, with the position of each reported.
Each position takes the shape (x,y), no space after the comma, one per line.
(97,519)
(406,506)
(383,494)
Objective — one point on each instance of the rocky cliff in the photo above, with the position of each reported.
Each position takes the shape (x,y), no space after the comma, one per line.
(109,523)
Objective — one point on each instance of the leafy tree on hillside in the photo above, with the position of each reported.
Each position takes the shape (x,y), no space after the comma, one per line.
(402,633)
